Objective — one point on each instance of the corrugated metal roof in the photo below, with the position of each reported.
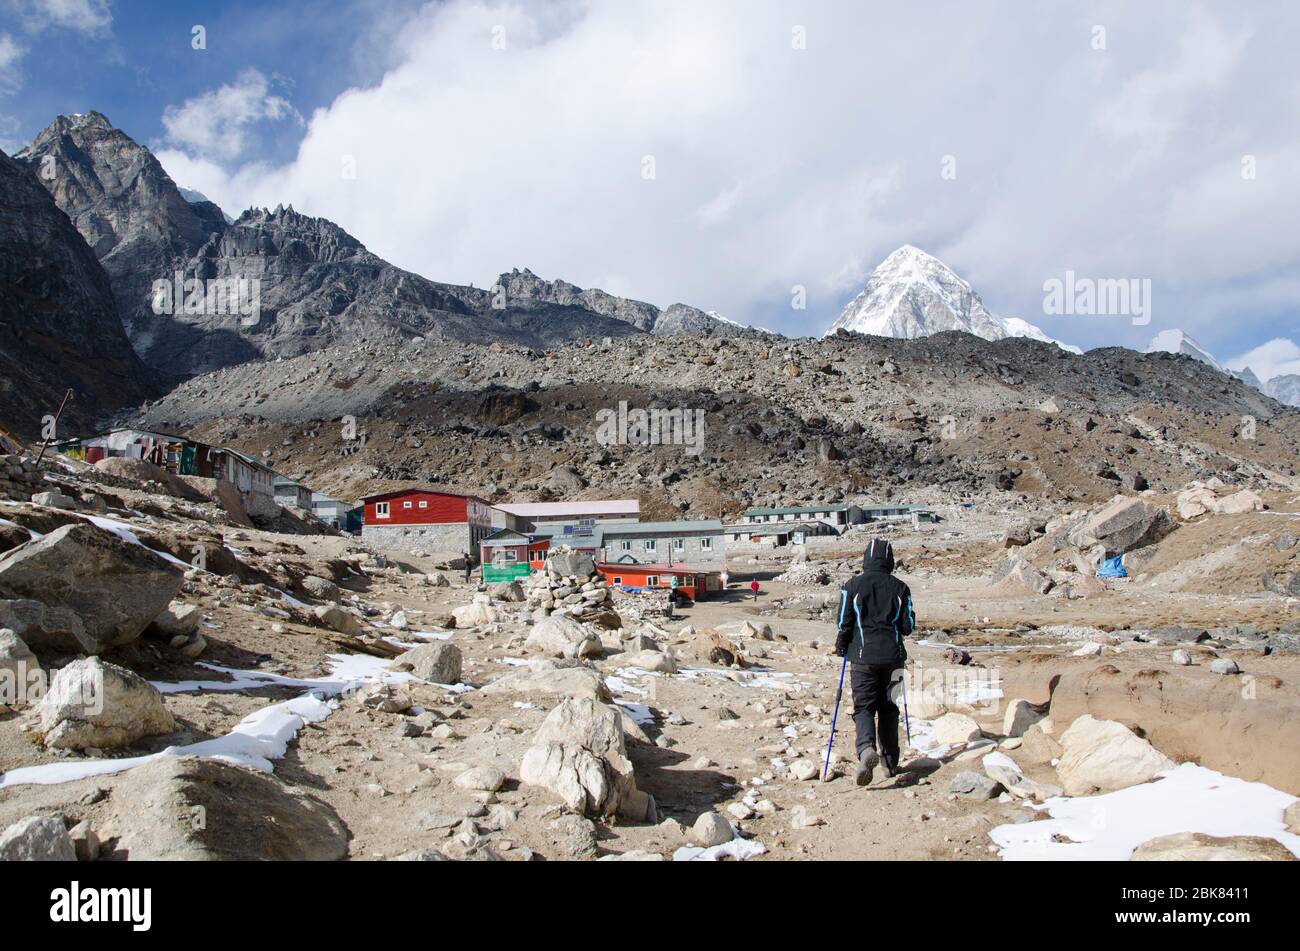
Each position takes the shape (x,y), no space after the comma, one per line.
(562,509)
(659,528)
(803,510)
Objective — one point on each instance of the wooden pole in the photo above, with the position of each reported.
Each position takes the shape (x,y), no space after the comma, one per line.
(57,416)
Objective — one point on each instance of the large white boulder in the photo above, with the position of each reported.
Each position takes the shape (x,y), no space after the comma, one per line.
(559,636)
(474,615)
(92,703)
(1102,754)
(579,753)
(37,839)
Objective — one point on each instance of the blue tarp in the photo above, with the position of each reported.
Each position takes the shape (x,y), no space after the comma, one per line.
(1112,568)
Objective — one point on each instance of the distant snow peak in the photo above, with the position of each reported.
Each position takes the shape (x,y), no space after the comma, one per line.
(1176,341)
(913,294)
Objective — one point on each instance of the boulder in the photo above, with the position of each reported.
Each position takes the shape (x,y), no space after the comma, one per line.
(1105,755)
(651,660)
(578,682)
(1239,503)
(1199,847)
(1019,717)
(570,564)
(511,591)
(973,785)
(55,629)
(579,754)
(438,662)
(1019,577)
(183,808)
(436,579)
(21,678)
(1291,818)
(115,587)
(1002,769)
(1036,746)
(178,619)
(476,614)
(559,636)
(337,619)
(54,500)
(322,589)
(711,829)
(953,728)
(94,704)
(481,779)
(37,839)
(1194,501)
(1225,666)
(1121,525)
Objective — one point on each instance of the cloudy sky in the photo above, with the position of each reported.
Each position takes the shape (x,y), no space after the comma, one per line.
(724,153)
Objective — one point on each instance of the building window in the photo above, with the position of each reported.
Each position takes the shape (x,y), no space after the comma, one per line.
(679,544)
(424,503)
(651,581)
(625,546)
(406,505)
(512,555)
(706,544)
(381,510)
(616,580)
(651,544)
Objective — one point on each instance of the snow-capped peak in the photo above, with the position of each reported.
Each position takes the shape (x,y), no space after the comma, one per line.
(1175,341)
(913,294)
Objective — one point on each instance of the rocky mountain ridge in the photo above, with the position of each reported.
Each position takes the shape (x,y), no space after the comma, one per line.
(59,326)
(317,285)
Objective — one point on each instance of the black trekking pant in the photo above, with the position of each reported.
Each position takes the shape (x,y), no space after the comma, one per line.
(875,715)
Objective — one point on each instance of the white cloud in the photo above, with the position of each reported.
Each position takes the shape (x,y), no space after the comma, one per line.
(1274,358)
(777,166)
(216,124)
(11,54)
(92,17)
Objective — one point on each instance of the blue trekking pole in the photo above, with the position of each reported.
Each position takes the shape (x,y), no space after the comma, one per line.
(835,716)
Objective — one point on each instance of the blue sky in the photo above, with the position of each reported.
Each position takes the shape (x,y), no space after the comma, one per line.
(791,144)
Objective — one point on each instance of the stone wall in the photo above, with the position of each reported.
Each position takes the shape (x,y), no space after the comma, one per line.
(19,478)
(450,539)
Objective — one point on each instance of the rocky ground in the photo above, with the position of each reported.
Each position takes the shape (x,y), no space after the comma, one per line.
(937,420)
(329,701)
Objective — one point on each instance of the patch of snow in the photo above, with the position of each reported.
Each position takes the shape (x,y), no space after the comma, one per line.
(257,741)
(738,849)
(1108,827)
(639,712)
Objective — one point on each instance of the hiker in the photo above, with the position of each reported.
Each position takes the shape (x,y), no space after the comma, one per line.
(468,568)
(672,598)
(875,615)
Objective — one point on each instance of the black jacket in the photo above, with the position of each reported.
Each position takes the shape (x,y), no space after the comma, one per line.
(875,611)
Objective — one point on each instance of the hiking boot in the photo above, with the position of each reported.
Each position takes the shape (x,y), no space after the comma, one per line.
(866,766)
(891,766)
